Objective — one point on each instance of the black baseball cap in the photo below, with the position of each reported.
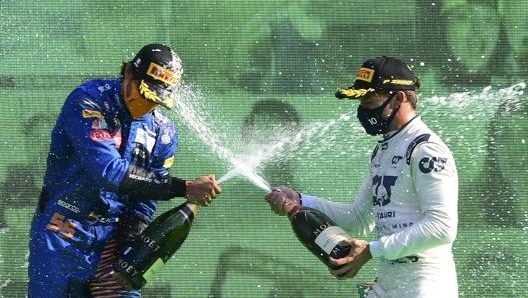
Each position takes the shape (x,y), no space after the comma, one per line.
(160,70)
(382,73)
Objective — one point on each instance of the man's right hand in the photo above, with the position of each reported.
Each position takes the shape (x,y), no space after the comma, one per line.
(203,190)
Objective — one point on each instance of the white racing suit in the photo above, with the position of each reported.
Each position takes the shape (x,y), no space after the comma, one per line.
(410,196)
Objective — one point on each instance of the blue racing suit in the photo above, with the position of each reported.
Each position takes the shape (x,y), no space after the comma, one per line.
(103,166)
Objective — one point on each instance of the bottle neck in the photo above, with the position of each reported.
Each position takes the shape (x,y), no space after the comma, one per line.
(191,210)
(292,208)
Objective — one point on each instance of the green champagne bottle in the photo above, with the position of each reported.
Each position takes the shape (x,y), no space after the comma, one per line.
(141,259)
(318,233)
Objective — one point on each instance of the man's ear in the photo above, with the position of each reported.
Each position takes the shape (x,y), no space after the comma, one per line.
(399,98)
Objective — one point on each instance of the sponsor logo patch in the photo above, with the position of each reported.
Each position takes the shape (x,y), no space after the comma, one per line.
(365,74)
(160,73)
(92,114)
(429,164)
(168,162)
(99,135)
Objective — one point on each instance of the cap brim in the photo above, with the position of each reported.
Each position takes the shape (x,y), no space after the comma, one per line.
(352,93)
(157,93)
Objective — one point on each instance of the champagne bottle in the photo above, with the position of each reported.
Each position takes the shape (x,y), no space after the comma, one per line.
(140,260)
(318,233)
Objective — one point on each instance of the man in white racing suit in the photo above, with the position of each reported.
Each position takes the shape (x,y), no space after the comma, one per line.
(409,195)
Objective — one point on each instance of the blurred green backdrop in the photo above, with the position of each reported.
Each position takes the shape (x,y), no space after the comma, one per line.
(472,57)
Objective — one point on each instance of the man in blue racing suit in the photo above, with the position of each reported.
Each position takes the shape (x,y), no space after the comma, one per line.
(110,152)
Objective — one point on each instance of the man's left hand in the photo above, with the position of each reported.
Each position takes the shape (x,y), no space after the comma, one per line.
(358,256)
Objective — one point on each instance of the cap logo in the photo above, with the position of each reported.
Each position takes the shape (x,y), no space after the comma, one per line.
(365,74)
(398,82)
(160,73)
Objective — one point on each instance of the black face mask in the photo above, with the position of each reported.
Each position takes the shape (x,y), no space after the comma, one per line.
(372,119)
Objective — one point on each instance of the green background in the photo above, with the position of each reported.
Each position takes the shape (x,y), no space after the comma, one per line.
(472,57)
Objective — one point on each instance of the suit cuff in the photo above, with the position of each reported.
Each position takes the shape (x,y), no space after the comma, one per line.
(308,200)
(375,249)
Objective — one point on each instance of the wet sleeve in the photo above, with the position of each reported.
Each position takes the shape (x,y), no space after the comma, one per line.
(97,152)
(87,130)
(144,185)
(356,217)
(163,156)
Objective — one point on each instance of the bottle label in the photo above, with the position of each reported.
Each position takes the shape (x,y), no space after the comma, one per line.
(149,242)
(330,237)
(127,268)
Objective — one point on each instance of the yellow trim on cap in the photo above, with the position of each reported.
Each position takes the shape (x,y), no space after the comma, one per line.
(152,96)
(355,93)
(148,94)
